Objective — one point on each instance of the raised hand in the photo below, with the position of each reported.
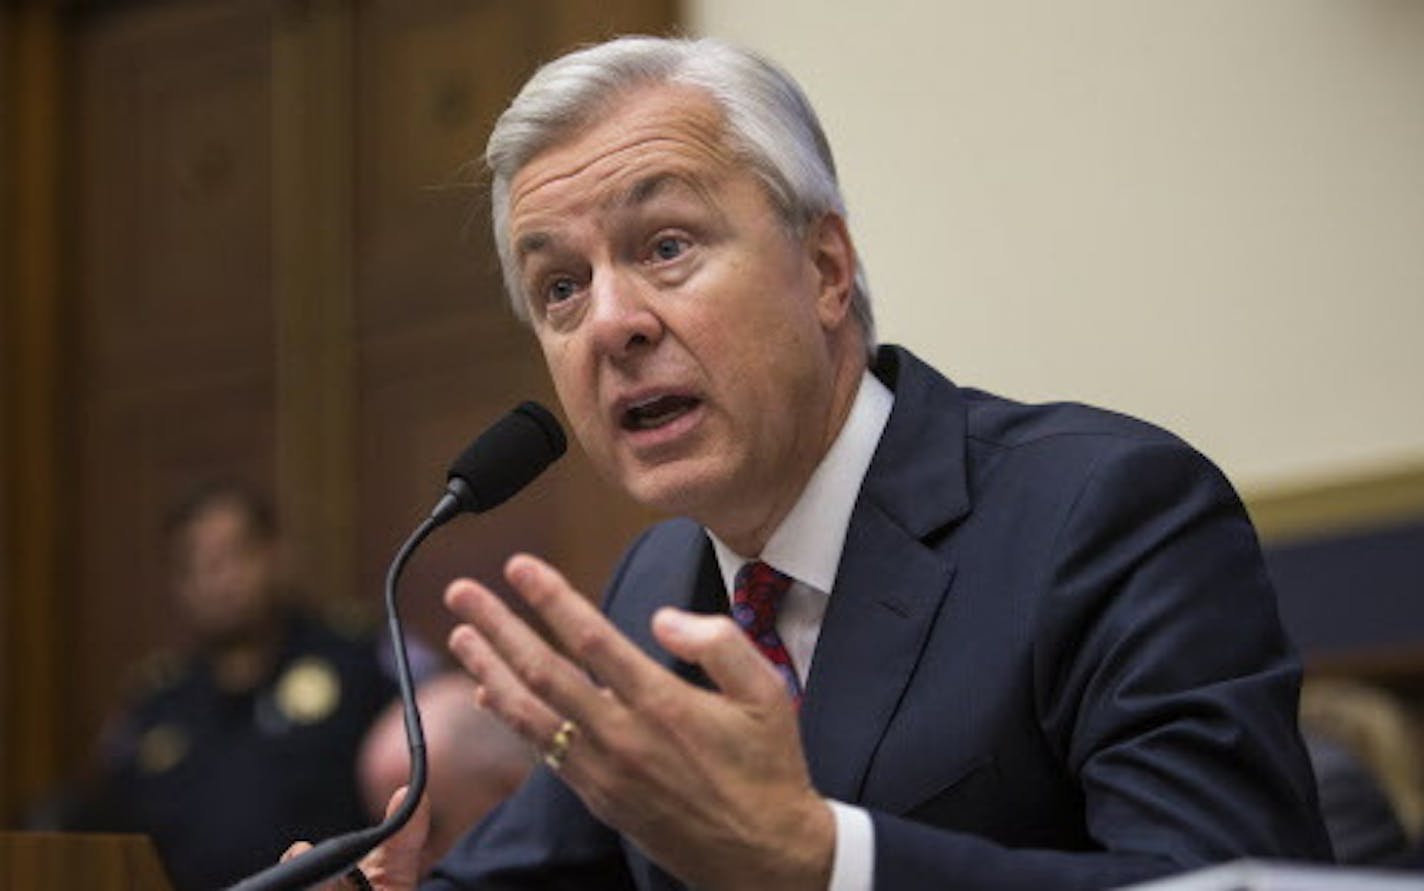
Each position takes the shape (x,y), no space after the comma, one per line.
(710,784)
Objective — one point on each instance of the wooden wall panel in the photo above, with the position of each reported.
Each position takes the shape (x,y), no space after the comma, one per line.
(32,455)
(311,229)
(174,218)
(176,366)
(8,417)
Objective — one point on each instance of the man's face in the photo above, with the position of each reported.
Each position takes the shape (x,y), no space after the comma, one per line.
(696,345)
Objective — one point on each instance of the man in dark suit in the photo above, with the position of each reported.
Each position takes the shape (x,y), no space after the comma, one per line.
(988,645)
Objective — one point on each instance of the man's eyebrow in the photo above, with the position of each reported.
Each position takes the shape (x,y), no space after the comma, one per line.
(641,192)
(531,243)
(644,190)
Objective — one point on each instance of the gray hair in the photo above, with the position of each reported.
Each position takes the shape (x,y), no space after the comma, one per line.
(769,121)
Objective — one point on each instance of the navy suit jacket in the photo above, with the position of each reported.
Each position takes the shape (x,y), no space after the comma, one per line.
(1051,659)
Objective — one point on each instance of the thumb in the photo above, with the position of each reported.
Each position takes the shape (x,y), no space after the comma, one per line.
(296,850)
(395,864)
(722,649)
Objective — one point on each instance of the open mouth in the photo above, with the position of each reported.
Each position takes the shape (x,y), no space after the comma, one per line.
(658,411)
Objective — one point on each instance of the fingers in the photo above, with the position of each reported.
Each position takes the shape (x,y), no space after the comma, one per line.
(724,652)
(534,687)
(394,802)
(582,629)
(296,850)
(501,689)
(590,639)
(412,835)
(395,863)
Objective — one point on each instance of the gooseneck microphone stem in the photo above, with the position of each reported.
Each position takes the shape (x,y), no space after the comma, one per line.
(414,733)
(335,855)
(500,462)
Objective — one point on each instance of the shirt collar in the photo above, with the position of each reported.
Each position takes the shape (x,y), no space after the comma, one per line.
(807,545)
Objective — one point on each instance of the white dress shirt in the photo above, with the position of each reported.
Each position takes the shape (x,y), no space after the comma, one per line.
(807,547)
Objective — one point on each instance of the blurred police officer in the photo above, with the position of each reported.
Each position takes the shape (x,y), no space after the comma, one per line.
(251,737)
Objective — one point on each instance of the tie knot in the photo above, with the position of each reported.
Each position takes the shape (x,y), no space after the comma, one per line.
(759,589)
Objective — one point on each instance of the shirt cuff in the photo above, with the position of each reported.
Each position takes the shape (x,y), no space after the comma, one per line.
(853,868)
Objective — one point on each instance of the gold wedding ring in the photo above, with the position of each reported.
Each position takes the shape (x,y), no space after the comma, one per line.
(559,748)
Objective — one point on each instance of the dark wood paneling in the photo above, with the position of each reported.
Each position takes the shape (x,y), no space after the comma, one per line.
(71,862)
(176,365)
(33,621)
(7,407)
(174,201)
(570,24)
(312,188)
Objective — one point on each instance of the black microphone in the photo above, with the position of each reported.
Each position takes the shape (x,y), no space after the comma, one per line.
(501,461)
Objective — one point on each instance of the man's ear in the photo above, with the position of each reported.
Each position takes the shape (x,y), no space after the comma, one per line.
(833,255)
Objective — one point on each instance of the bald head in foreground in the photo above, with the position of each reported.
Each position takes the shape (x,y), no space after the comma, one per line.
(474,761)
(972,643)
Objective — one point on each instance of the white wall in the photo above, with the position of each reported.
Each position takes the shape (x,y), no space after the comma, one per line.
(1207,213)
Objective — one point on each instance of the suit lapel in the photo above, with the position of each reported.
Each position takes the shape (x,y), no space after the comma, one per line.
(874,630)
(891,584)
(709,597)
(672,566)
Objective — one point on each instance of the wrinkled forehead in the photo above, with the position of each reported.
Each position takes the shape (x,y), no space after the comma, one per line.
(674,124)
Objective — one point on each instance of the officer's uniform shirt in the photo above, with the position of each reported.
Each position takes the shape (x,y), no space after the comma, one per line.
(223,781)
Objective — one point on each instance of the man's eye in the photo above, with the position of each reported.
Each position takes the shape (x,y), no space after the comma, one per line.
(560,290)
(668,248)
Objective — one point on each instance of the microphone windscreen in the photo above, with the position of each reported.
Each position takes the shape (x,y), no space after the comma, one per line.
(507,456)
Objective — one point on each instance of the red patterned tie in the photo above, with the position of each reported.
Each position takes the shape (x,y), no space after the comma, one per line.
(754,605)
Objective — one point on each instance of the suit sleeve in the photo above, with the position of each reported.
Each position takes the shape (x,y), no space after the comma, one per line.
(1164,684)
(541,838)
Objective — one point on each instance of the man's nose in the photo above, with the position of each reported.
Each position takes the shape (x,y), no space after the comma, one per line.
(625,319)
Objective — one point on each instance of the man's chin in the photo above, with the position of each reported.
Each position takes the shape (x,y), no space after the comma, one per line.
(679,488)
